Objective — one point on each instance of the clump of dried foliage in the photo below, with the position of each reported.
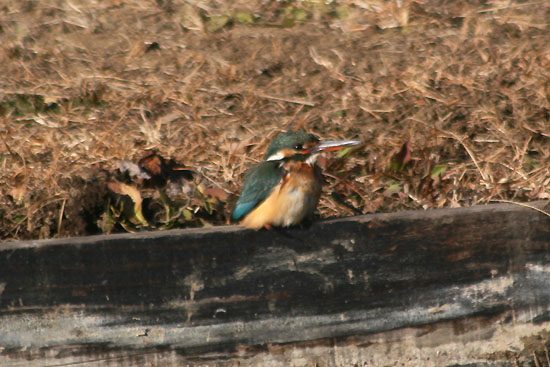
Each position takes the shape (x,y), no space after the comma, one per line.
(451,98)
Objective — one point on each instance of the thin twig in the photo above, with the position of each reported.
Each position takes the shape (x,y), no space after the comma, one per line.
(60,220)
(260,95)
(470,153)
(289,100)
(522,204)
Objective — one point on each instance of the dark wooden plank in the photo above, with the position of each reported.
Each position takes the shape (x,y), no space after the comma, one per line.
(215,290)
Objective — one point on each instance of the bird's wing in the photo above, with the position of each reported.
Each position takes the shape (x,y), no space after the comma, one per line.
(258,184)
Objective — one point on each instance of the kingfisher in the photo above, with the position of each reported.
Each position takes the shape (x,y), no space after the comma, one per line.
(285,188)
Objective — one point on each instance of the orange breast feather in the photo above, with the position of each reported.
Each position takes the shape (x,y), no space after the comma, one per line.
(290,202)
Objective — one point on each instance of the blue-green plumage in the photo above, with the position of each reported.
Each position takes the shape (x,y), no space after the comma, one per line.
(263,177)
(290,167)
(290,140)
(259,182)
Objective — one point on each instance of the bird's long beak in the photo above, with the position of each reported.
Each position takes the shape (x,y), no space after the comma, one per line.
(330,145)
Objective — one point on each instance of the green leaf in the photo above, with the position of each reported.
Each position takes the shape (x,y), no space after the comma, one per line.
(19,218)
(168,205)
(438,170)
(244,18)
(300,14)
(106,223)
(293,15)
(187,214)
(344,152)
(393,188)
(216,23)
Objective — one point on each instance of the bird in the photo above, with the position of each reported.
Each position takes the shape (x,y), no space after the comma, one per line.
(285,188)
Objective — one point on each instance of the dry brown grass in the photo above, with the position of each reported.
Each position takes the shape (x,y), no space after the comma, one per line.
(452,100)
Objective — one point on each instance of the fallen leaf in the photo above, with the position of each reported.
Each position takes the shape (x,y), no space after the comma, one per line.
(216,192)
(154,164)
(216,23)
(400,159)
(134,194)
(17,193)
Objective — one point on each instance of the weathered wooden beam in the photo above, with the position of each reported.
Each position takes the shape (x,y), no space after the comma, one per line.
(219,290)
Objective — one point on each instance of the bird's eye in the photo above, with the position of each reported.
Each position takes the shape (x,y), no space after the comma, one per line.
(298,147)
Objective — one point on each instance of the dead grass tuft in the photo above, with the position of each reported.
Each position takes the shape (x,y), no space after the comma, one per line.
(452,100)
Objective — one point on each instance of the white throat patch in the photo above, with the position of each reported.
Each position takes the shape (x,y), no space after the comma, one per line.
(280,156)
(312,159)
(276,157)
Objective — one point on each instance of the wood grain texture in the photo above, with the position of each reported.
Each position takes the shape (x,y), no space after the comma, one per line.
(230,292)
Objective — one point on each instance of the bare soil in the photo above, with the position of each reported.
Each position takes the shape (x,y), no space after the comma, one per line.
(451,100)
